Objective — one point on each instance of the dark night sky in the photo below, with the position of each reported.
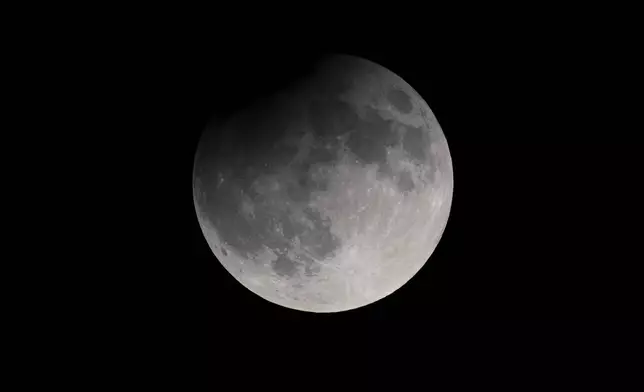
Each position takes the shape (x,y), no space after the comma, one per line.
(543,223)
(539,271)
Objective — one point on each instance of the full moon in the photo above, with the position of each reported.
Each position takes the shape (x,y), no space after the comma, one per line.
(330,194)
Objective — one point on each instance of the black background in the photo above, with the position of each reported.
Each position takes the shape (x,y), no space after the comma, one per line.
(544,221)
(540,109)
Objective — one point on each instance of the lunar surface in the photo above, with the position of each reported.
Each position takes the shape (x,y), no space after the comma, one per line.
(330,195)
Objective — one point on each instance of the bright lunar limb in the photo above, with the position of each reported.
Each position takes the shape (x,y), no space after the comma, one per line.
(330,196)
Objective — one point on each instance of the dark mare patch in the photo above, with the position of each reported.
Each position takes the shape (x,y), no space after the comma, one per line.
(298,188)
(400,100)
(371,137)
(405,183)
(319,154)
(256,133)
(330,117)
(298,176)
(284,266)
(414,142)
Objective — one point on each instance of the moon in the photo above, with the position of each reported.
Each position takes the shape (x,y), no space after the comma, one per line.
(329,195)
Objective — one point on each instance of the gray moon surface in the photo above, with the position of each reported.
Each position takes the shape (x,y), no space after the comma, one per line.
(330,195)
